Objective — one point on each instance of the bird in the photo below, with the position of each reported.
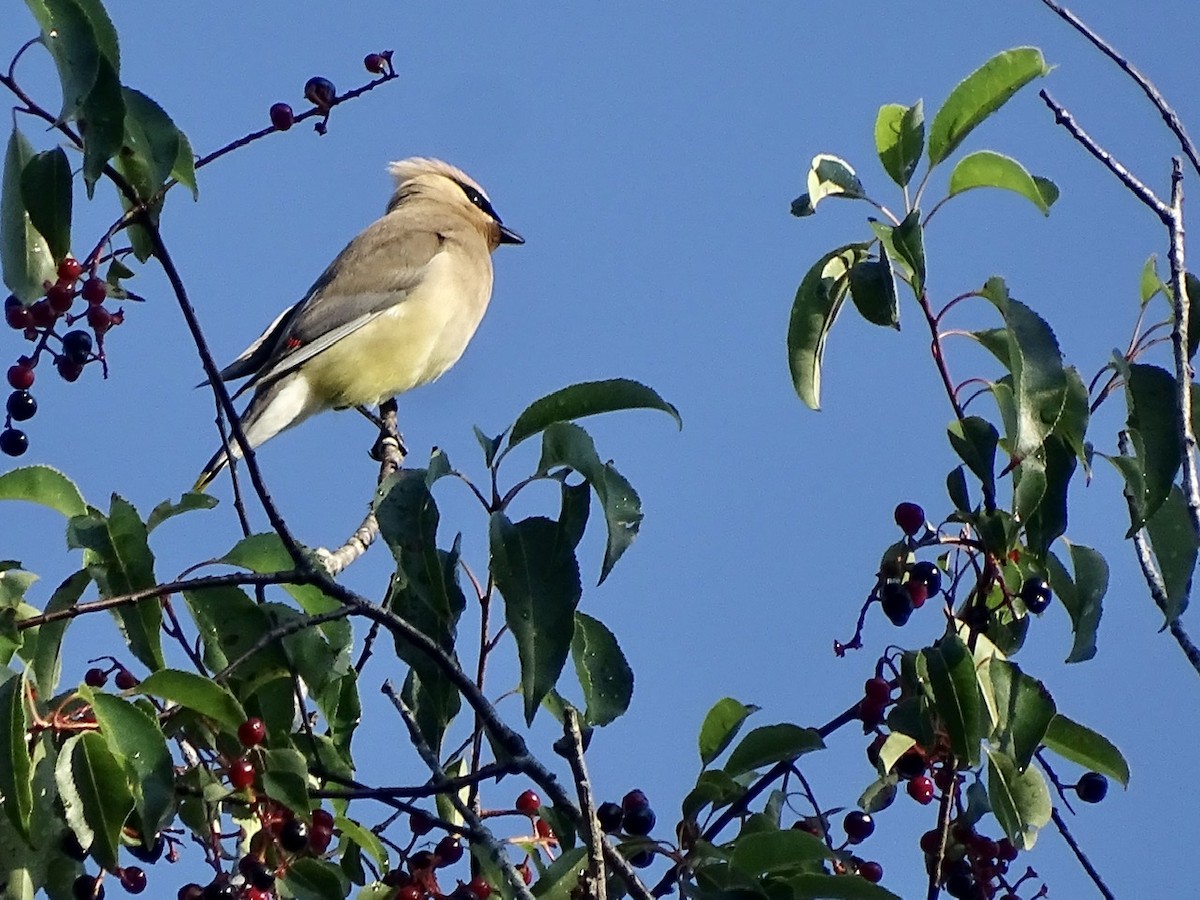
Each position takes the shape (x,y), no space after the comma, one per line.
(393,311)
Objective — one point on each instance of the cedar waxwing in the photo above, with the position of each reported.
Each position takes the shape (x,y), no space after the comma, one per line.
(394,311)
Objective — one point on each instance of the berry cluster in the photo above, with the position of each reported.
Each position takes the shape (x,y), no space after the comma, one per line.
(634,817)
(97,677)
(70,352)
(321,93)
(974,867)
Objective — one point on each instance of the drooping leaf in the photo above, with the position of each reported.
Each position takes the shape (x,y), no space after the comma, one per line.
(46,196)
(1081,745)
(1150,398)
(265,553)
(721,725)
(535,570)
(135,738)
(587,398)
(567,444)
(96,794)
(574,511)
(974,439)
(899,139)
(1081,595)
(769,744)
(604,674)
(979,95)
(1023,708)
(24,254)
(1149,284)
(984,168)
(908,241)
(956,489)
(197,693)
(285,778)
(192,500)
(16,770)
(43,485)
(151,144)
(828,176)
(1047,521)
(46,664)
(71,38)
(1019,799)
(102,122)
(1174,545)
(956,696)
(1039,377)
(818,301)
(316,879)
(873,290)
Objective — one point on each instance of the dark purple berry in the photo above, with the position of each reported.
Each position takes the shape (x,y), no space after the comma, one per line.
(320,92)
(77,346)
(13,442)
(858,826)
(95,677)
(21,406)
(910,518)
(635,799)
(1092,787)
(373,63)
(927,573)
(897,604)
(85,887)
(610,816)
(282,116)
(639,822)
(293,836)
(1035,594)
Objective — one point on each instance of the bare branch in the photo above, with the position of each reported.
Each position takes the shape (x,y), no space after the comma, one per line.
(1080,855)
(594,886)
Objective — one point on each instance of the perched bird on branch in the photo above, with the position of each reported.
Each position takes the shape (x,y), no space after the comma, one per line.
(393,311)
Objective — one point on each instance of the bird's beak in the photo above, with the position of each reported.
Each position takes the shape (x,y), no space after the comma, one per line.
(508,236)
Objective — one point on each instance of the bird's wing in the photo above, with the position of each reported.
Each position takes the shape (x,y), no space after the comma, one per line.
(374,273)
(253,357)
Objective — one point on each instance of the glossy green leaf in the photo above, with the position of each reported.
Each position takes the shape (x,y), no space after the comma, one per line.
(956,489)
(1019,799)
(16,769)
(604,673)
(769,744)
(574,510)
(985,168)
(772,852)
(899,139)
(46,196)
(956,696)
(1047,521)
(561,877)
(1039,377)
(1073,423)
(878,795)
(184,170)
(285,779)
(721,725)
(1150,398)
(24,254)
(713,787)
(229,623)
(135,737)
(190,501)
(71,38)
(265,553)
(535,570)
(120,562)
(828,176)
(873,290)
(103,123)
(1021,708)
(195,692)
(46,664)
(566,444)
(1080,595)
(1081,745)
(96,794)
(974,440)
(811,886)
(1174,545)
(151,144)
(908,241)
(45,486)
(425,592)
(315,879)
(364,838)
(818,301)
(587,398)
(1149,284)
(979,95)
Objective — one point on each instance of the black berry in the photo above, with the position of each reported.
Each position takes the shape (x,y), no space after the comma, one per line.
(293,836)
(77,346)
(149,853)
(634,800)
(1092,787)
(320,91)
(419,823)
(1035,594)
(85,887)
(610,816)
(72,847)
(641,859)
(910,518)
(21,405)
(448,851)
(133,879)
(95,677)
(927,573)
(858,826)
(872,871)
(639,822)
(897,604)
(13,442)
(373,63)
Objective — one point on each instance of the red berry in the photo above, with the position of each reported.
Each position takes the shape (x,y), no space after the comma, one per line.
(125,680)
(526,873)
(918,593)
(921,789)
(241,774)
(320,91)
(319,838)
(94,291)
(322,818)
(410,892)
(480,888)
(529,803)
(42,315)
(20,376)
(16,313)
(872,871)
(930,841)
(878,691)
(60,297)
(99,319)
(373,62)
(448,851)
(133,879)
(870,713)
(70,269)
(252,732)
(68,369)
(543,829)
(95,677)
(910,518)
(419,822)
(858,826)
(282,116)
(253,893)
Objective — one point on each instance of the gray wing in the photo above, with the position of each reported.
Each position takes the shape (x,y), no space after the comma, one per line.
(376,271)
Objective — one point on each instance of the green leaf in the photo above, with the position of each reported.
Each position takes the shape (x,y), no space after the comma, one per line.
(604,674)
(956,696)
(46,665)
(1039,378)
(873,290)
(828,176)
(772,852)
(1192,286)
(195,692)
(535,570)
(120,562)
(1021,707)
(769,744)
(285,779)
(974,440)
(135,738)
(979,95)
(566,444)
(1019,799)
(818,301)
(587,398)
(1150,285)
(315,879)
(1081,745)
(985,168)
(899,139)
(102,123)
(96,793)
(16,769)
(24,254)
(364,838)
(46,195)
(908,240)
(1174,544)
(151,144)
(721,725)
(167,510)
(1047,521)
(1150,397)
(71,38)
(184,170)
(1080,595)
(574,511)
(561,877)
(44,485)
(265,553)
(956,489)
(489,445)
(811,886)
(715,787)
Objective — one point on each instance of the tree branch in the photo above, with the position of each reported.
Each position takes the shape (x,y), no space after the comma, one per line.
(595,886)
(1080,855)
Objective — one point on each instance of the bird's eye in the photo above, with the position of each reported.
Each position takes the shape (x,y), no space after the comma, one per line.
(477,199)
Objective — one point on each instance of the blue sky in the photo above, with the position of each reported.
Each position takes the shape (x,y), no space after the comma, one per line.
(648,153)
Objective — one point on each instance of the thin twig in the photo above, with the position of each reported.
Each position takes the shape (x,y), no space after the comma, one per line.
(594,885)
(943,828)
(1080,855)
(485,773)
(1147,86)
